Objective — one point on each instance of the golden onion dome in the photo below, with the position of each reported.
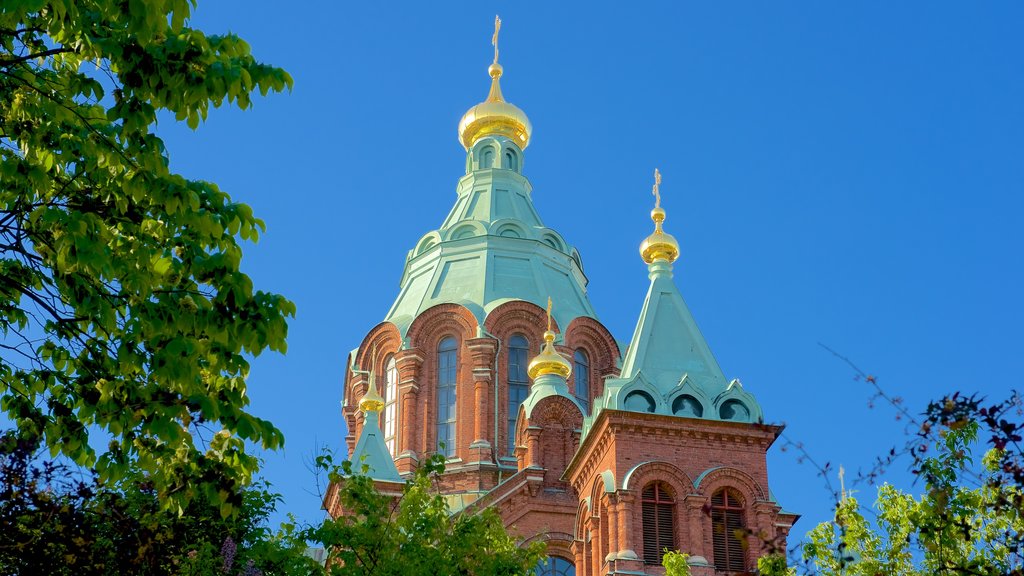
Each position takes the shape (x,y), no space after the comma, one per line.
(372,400)
(549,361)
(494,116)
(659,245)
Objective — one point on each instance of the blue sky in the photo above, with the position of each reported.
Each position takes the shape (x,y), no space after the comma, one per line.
(848,174)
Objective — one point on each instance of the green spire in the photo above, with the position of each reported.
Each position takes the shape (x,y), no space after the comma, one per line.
(668,367)
(370,450)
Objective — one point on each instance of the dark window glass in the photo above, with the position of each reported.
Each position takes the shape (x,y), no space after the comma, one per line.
(658,510)
(582,372)
(447,374)
(518,384)
(555,566)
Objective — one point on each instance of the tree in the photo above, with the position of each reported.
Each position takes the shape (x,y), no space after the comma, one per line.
(126,319)
(55,519)
(969,520)
(414,534)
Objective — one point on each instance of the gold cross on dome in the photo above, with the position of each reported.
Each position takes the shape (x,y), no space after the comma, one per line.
(655,190)
(494,39)
(549,313)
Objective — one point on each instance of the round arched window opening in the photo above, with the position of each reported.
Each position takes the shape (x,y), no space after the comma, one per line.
(639,401)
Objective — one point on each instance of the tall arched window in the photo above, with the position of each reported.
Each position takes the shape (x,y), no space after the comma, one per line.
(658,510)
(728,530)
(554,566)
(390,422)
(582,371)
(518,384)
(447,375)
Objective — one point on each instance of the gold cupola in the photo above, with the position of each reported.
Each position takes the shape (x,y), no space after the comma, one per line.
(372,400)
(549,361)
(659,245)
(494,116)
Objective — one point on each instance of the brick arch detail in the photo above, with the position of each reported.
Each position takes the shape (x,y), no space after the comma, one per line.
(383,337)
(710,481)
(558,544)
(387,340)
(514,317)
(582,519)
(601,348)
(426,330)
(557,412)
(518,316)
(642,474)
(715,479)
(425,333)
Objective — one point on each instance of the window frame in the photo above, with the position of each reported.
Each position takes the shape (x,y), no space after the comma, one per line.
(447,365)
(657,508)
(727,516)
(517,384)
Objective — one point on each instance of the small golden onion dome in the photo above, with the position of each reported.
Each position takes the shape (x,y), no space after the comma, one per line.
(495,117)
(659,245)
(372,400)
(549,361)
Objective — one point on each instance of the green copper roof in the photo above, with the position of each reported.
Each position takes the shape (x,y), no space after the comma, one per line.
(544,386)
(372,452)
(669,368)
(492,248)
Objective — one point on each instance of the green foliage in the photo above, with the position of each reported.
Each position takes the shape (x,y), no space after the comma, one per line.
(675,563)
(413,533)
(123,310)
(56,520)
(966,522)
(774,565)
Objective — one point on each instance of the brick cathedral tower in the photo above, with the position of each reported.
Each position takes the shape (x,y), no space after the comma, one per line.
(608,455)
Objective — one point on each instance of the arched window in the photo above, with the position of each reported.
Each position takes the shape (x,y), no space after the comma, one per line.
(510,160)
(518,384)
(554,566)
(390,403)
(447,374)
(582,372)
(487,159)
(728,531)
(658,509)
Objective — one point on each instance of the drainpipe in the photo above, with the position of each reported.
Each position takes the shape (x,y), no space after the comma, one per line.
(480,332)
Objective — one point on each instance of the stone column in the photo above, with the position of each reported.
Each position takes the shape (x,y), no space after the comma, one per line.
(629,541)
(577,553)
(533,446)
(483,352)
(613,528)
(696,518)
(409,364)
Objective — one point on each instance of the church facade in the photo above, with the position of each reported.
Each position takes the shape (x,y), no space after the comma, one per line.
(493,356)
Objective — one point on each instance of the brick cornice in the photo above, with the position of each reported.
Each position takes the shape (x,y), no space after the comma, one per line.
(620,424)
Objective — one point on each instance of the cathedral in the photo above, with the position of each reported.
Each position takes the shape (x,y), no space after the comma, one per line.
(493,356)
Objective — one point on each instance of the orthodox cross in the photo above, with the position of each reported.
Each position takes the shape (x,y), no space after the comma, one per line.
(494,39)
(656,191)
(549,313)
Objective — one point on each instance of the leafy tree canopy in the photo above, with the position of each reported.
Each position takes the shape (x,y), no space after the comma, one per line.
(124,314)
(968,520)
(413,534)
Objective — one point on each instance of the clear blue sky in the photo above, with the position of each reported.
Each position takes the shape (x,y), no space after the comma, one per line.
(843,173)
